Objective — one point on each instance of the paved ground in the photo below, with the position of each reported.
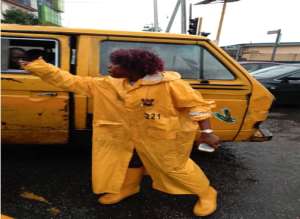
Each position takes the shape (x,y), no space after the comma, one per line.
(254,180)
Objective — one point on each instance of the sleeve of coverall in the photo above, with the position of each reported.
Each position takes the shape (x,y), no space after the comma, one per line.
(59,78)
(184,96)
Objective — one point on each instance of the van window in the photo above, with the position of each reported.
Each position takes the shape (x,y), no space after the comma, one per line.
(191,61)
(13,49)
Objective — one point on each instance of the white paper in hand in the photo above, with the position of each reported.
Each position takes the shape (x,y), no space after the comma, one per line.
(205,147)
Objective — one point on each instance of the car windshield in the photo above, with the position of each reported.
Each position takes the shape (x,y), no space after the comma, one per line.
(275,71)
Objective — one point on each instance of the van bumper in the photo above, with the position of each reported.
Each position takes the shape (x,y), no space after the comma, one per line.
(261,134)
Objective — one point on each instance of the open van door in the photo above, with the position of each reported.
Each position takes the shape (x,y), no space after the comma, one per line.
(205,67)
(32,110)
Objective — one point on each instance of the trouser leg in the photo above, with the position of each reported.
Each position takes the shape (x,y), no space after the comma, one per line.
(197,182)
(131,183)
(187,179)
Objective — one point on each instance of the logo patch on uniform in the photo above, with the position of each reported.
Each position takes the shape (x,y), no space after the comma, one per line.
(225,116)
(147,102)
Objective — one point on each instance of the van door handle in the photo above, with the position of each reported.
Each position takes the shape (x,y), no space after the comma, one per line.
(48,94)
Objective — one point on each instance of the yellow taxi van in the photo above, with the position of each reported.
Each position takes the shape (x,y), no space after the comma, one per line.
(34,112)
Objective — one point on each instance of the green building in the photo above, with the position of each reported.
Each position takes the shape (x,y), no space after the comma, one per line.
(50,11)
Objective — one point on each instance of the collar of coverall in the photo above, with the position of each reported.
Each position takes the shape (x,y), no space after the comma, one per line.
(160,77)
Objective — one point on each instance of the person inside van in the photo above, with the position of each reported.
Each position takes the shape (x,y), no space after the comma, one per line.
(144,118)
(34,54)
(16,54)
(46,54)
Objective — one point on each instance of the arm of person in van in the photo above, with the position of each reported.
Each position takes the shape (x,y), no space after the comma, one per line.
(200,110)
(60,78)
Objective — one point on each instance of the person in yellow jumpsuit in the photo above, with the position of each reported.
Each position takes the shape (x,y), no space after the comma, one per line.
(144,117)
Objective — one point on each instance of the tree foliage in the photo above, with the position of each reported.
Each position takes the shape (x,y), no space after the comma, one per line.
(17,16)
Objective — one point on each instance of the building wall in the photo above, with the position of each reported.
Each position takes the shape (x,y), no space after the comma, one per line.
(34,3)
(50,11)
(283,53)
(286,52)
(47,11)
(11,4)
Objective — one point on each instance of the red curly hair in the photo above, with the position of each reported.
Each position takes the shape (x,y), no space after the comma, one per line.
(140,61)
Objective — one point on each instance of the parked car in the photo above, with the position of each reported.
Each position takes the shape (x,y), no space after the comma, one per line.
(253,66)
(283,81)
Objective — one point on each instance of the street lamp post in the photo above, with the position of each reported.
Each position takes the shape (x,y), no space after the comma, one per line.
(277,41)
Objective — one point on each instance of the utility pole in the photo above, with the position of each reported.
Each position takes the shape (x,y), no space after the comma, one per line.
(221,22)
(199,26)
(183,16)
(173,16)
(191,12)
(156,27)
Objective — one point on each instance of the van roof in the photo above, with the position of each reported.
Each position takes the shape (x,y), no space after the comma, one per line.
(65,30)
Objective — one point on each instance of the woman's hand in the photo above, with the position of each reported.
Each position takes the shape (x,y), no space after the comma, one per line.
(210,139)
(23,63)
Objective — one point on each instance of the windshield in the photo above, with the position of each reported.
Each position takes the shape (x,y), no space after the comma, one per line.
(275,71)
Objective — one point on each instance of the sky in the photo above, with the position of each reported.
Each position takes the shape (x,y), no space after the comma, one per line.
(245,21)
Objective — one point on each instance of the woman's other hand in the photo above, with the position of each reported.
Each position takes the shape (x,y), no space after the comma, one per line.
(210,139)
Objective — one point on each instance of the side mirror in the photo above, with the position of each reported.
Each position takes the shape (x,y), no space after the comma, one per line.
(284,80)
(287,79)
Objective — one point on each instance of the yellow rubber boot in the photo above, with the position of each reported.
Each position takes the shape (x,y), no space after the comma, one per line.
(207,203)
(130,187)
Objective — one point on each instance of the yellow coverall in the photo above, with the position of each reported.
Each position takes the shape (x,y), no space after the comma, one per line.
(158,117)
